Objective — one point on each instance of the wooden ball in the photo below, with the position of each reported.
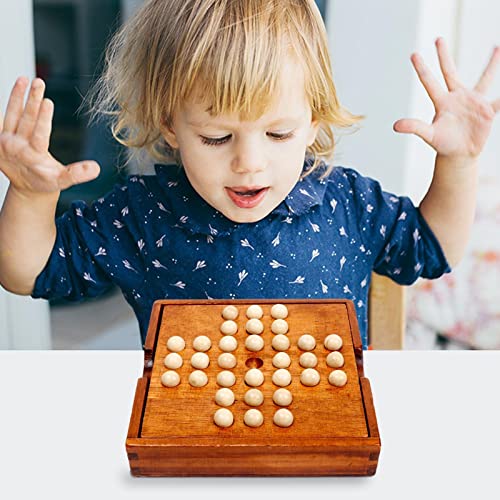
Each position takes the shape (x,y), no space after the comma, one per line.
(176,343)
(306,342)
(279,311)
(282,397)
(308,360)
(333,342)
(255,311)
(170,378)
(229,327)
(253,418)
(280,342)
(202,343)
(223,417)
(224,397)
(226,378)
(230,312)
(309,377)
(283,417)
(279,326)
(254,397)
(226,360)
(173,361)
(198,378)
(338,378)
(228,343)
(335,359)
(254,326)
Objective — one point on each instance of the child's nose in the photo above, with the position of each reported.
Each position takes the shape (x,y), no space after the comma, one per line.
(248,160)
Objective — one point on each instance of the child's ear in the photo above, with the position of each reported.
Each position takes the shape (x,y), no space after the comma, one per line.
(313,132)
(169,135)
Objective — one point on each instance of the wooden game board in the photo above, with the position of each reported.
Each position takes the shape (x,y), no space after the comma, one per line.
(172,433)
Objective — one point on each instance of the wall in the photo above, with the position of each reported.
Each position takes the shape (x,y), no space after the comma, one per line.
(24,322)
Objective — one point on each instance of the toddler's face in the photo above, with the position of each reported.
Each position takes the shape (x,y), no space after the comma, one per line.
(245,169)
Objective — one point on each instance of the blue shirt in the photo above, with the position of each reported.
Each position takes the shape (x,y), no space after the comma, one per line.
(155,238)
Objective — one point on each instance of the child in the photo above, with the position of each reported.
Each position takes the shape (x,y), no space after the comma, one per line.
(236,101)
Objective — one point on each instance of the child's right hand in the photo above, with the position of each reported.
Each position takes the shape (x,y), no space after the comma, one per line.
(24,145)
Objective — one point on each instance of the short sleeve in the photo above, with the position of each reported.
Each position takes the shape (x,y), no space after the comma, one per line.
(95,249)
(401,242)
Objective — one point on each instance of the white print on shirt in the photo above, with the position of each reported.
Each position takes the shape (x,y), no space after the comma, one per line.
(333,204)
(276,240)
(245,243)
(342,262)
(275,264)
(315,227)
(242,275)
(126,263)
(162,207)
(199,265)
(315,253)
(101,251)
(305,192)
(179,284)
(86,276)
(298,280)
(158,264)
(324,287)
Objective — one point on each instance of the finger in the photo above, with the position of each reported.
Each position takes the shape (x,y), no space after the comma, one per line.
(77,173)
(15,105)
(417,127)
(447,65)
(40,137)
(1,122)
(489,72)
(431,85)
(30,114)
(496,105)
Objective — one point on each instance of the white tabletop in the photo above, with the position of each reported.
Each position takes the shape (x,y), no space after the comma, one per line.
(64,419)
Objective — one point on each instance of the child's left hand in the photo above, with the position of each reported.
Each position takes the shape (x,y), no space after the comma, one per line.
(463,116)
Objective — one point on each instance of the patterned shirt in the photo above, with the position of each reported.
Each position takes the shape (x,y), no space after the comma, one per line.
(155,238)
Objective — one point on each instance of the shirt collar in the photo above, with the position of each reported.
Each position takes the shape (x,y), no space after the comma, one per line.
(188,210)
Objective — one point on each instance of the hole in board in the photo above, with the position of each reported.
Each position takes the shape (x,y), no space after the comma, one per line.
(254,362)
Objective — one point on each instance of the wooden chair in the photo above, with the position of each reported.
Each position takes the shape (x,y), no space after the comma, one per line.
(386,314)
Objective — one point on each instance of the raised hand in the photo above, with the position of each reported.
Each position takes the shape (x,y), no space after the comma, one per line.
(463,116)
(24,145)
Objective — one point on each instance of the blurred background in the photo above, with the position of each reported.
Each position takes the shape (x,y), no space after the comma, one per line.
(62,41)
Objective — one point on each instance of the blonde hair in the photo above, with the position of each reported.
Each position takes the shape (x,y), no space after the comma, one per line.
(229,50)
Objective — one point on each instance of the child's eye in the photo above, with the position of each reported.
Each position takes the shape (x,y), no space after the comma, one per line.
(216,141)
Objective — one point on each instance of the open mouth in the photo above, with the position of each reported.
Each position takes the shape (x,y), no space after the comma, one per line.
(247,198)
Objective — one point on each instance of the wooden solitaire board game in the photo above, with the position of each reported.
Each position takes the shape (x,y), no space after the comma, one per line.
(172,431)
